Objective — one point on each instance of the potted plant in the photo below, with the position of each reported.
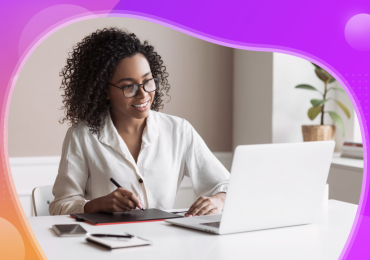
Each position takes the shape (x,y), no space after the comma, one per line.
(323,132)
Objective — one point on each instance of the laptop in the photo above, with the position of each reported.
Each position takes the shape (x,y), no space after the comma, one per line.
(271,186)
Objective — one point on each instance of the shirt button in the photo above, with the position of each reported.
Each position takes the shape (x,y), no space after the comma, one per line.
(140,180)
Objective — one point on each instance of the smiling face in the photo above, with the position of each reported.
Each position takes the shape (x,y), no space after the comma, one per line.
(133,70)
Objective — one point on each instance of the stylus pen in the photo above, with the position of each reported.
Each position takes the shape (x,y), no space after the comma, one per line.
(119,186)
(178,212)
(108,235)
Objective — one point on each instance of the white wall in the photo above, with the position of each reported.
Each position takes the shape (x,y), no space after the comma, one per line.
(252,97)
(357,131)
(290,105)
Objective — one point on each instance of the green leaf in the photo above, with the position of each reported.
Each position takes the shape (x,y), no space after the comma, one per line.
(318,102)
(322,74)
(305,86)
(337,120)
(344,108)
(316,66)
(313,112)
(336,88)
(332,79)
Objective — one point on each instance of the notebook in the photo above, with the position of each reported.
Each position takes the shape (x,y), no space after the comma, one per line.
(134,216)
(114,242)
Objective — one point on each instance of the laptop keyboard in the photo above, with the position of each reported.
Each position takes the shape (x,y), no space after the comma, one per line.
(212,224)
(210,218)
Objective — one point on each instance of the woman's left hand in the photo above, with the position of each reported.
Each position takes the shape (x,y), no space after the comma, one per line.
(207,205)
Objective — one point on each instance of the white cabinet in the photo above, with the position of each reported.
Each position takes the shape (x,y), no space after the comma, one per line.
(345,179)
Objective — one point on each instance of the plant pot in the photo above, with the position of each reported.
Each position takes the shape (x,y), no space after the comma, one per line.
(318,132)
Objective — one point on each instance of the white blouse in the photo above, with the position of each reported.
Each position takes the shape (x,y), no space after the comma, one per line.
(170,150)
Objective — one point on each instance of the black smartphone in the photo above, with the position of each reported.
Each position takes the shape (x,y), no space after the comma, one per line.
(69,230)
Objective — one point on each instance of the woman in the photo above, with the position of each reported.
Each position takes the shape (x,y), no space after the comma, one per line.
(114,86)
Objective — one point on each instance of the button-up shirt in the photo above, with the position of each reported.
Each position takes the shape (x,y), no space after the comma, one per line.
(170,150)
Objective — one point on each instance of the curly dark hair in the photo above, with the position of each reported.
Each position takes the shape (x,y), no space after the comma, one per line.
(90,67)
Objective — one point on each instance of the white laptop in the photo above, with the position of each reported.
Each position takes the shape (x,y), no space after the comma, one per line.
(271,186)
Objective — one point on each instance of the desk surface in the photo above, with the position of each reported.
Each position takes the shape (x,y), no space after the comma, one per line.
(323,240)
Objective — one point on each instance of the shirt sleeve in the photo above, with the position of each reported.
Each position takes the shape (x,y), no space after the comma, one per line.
(207,173)
(69,186)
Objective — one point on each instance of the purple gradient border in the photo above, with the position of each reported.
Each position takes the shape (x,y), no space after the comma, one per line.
(229,43)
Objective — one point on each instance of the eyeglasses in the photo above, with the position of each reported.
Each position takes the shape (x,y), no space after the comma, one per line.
(132,90)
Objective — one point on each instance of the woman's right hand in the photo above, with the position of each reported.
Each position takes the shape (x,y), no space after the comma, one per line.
(120,200)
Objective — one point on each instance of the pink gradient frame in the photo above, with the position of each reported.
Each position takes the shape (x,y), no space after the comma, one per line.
(202,25)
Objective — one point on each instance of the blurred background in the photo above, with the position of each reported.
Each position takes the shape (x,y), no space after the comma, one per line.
(230,96)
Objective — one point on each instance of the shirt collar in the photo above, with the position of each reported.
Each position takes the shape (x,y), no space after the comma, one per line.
(108,134)
(150,132)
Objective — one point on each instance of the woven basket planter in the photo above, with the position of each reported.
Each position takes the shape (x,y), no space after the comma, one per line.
(318,132)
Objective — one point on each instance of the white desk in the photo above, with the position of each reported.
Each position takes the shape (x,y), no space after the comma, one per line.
(323,240)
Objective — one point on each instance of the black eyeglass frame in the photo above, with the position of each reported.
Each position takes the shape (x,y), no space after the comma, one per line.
(156,80)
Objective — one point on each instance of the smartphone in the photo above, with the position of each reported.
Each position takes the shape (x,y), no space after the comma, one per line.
(67,230)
